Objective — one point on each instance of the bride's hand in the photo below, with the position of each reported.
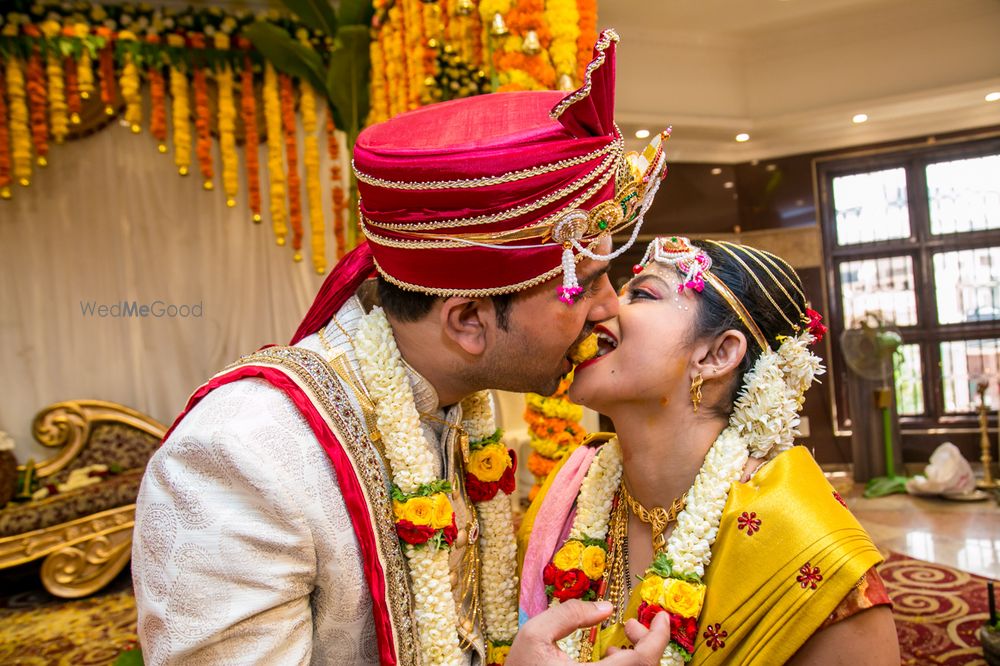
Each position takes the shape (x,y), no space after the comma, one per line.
(535,643)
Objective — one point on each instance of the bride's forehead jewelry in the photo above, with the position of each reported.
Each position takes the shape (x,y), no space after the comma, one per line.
(694,264)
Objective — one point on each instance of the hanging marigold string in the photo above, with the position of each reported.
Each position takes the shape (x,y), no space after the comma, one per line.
(291,162)
(587,10)
(180,109)
(413,32)
(248,110)
(58,110)
(20,136)
(202,119)
(314,190)
(5,173)
(275,161)
(337,178)
(158,107)
(85,74)
(563,19)
(37,108)
(227,125)
(106,68)
(73,101)
(130,85)
(379,84)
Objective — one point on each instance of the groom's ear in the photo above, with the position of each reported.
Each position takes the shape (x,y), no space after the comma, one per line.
(466,322)
(723,356)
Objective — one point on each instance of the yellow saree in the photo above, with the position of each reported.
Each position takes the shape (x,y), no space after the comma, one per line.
(787,552)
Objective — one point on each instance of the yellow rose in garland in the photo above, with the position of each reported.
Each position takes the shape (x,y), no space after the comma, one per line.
(681,597)
(443,513)
(417,510)
(490,462)
(593,561)
(569,555)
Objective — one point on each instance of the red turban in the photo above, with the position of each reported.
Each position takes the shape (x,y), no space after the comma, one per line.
(496,193)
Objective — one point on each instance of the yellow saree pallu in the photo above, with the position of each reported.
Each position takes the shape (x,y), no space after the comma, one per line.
(787,552)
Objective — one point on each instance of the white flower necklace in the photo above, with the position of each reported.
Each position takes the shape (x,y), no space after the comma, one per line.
(425,520)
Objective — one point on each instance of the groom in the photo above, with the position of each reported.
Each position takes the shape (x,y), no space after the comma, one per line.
(266,531)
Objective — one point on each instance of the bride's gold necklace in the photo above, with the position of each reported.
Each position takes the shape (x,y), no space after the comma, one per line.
(657,518)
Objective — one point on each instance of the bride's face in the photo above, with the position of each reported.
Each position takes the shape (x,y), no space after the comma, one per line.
(645,354)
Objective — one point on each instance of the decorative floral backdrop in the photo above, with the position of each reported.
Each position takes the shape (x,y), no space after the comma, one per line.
(192,76)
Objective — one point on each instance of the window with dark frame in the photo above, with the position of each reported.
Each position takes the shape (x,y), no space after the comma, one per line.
(913,236)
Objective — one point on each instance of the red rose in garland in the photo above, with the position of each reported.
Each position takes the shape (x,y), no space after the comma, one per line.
(647,612)
(508,480)
(683,631)
(570,584)
(415,534)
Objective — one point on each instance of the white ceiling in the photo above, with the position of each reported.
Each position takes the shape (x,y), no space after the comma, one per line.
(793,73)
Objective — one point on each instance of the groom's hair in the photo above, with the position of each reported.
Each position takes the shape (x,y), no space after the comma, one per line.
(411,306)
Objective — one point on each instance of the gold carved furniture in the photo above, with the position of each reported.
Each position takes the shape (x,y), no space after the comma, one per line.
(83,536)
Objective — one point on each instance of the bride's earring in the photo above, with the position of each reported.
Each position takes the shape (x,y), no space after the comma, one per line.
(696,391)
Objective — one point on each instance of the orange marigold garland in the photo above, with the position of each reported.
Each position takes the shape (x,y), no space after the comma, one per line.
(337,178)
(587,10)
(73,101)
(248,111)
(520,67)
(20,135)
(555,430)
(202,121)
(37,108)
(158,107)
(106,68)
(227,125)
(314,190)
(291,162)
(275,161)
(5,176)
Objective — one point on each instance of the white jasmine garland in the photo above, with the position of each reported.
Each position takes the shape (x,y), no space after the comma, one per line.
(497,545)
(597,493)
(413,463)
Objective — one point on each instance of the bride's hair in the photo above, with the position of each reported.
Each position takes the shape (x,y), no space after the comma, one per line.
(732,263)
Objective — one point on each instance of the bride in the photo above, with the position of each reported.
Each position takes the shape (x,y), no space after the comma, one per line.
(701,506)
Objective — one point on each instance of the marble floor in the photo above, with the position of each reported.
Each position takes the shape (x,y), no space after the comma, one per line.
(960,534)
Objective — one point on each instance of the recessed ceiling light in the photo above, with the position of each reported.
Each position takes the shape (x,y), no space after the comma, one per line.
(641,134)
(859,118)
(771,167)
(993,96)
(728,184)
(716,171)
(742,136)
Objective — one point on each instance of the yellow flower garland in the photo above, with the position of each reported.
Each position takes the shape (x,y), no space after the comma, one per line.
(20,136)
(58,108)
(227,125)
(314,190)
(85,74)
(180,112)
(275,161)
(563,19)
(131,93)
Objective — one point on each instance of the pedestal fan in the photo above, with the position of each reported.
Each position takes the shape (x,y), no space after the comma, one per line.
(868,350)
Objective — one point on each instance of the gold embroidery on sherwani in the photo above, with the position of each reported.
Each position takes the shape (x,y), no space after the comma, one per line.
(310,372)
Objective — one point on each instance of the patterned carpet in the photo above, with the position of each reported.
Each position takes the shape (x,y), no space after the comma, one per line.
(37,629)
(938,613)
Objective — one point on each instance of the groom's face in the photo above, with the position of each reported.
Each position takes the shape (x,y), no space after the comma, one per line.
(532,354)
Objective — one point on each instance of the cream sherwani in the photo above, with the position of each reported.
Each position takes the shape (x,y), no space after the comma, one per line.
(244,551)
